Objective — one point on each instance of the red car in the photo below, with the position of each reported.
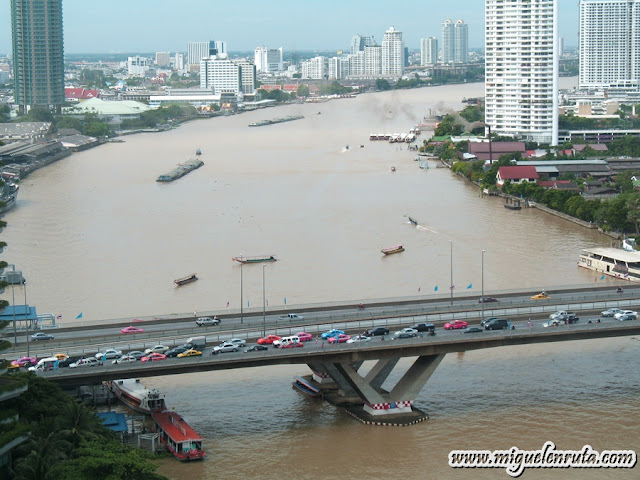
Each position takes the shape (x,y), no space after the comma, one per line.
(292,345)
(304,337)
(268,340)
(153,357)
(341,338)
(131,330)
(455,325)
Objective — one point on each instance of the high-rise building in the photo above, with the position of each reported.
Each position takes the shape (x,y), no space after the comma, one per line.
(392,53)
(163,59)
(428,51)
(372,60)
(38,52)
(196,51)
(448,41)
(178,61)
(314,68)
(220,75)
(461,42)
(521,69)
(609,43)
(268,60)
(138,66)
(358,42)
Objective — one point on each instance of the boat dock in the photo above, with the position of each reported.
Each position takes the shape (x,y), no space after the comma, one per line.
(180,171)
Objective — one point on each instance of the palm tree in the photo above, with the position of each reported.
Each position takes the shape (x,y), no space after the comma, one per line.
(78,424)
(45,453)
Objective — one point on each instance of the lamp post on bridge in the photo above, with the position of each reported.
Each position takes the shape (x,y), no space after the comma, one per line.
(241,299)
(264,304)
(451,285)
(482,297)
(26,313)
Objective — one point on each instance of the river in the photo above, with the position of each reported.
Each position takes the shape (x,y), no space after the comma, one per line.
(94,233)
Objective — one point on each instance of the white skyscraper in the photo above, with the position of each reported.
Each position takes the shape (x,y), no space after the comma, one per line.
(521,69)
(392,53)
(268,60)
(428,51)
(461,42)
(358,42)
(220,75)
(196,51)
(314,68)
(448,41)
(609,43)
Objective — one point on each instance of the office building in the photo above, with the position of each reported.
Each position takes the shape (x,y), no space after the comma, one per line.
(220,75)
(428,51)
(268,60)
(196,51)
(521,69)
(392,53)
(163,59)
(461,42)
(38,52)
(358,42)
(314,69)
(138,66)
(178,62)
(609,44)
(448,41)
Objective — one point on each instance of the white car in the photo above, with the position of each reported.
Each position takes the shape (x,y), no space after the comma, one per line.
(109,353)
(611,312)
(225,347)
(85,362)
(124,359)
(238,342)
(359,338)
(156,349)
(202,321)
(626,312)
(408,330)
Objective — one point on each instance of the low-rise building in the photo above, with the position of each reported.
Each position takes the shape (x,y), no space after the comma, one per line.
(516,174)
(114,113)
(32,131)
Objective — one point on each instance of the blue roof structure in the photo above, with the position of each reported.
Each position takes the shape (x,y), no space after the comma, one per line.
(20,310)
(114,421)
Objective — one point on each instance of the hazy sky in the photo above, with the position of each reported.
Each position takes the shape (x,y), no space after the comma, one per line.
(148,26)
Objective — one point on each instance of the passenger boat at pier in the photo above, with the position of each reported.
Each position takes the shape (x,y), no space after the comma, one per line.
(135,395)
(177,436)
(8,196)
(392,250)
(187,279)
(306,387)
(614,262)
(256,259)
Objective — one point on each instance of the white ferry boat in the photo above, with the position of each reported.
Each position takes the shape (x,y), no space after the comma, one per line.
(614,262)
(137,396)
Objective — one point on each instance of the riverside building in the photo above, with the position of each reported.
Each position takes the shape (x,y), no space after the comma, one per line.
(521,69)
(392,53)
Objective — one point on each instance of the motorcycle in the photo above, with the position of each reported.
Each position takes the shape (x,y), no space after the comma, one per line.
(361,306)
(619,290)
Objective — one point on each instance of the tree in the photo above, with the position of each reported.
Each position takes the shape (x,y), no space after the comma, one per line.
(382,84)
(43,455)
(633,210)
(5,110)
(303,91)
(78,424)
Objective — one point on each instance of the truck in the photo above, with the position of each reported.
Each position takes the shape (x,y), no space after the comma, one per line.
(196,343)
(291,317)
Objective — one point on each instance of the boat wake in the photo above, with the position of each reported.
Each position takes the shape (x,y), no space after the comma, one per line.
(425,229)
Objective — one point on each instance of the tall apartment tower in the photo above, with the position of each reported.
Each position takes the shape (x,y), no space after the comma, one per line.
(38,52)
(521,69)
(268,60)
(609,44)
(431,51)
(358,42)
(392,53)
(448,41)
(196,51)
(461,43)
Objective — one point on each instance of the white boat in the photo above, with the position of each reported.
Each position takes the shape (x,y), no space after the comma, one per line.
(614,262)
(132,393)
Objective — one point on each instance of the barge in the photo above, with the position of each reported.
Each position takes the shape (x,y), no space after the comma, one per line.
(273,121)
(180,171)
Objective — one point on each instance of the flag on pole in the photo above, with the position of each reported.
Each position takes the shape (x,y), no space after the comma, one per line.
(227,304)
(59,317)
(602,277)
(470,286)
(267,301)
(285,300)
(419,288)
(435,289)
(79,316)
(248,304)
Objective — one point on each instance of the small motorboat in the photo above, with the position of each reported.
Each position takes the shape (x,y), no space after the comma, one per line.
(392,250)
(185,280)
(198,152)
(413,221)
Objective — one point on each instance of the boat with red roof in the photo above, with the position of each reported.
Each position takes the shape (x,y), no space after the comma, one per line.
(177,435)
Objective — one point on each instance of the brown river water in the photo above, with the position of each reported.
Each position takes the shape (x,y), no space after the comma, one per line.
(94,233)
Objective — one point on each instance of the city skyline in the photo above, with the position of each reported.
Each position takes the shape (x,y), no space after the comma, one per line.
(145,26)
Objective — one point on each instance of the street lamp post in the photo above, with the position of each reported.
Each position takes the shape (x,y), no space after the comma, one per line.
(482,297)
(264,304)
(451,285)
(26,313)
(241,299)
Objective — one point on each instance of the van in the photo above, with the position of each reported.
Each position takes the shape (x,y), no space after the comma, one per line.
(197,343)
(496,324)
(49,363)
(284,341)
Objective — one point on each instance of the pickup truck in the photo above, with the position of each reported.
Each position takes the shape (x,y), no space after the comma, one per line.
(291,317)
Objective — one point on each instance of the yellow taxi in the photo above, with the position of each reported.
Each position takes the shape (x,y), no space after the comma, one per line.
(540,296)
(190,353)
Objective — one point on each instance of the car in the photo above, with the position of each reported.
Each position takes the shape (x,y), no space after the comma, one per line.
(174,352)
(292,317)
(240,342)
(68,361)
(571,318)
(487,300)
(132,329)
(409,330)
(341,338)
(60,356)
(136,353)
(154,357)
(41,336)
(560,314)
(611,312)
(156,349)
(372,332)
(627,316)
(25,361)
(424,327)
(541,296)
(225,347)
(206,321)
(359,338)
(472,330)
(293,344)
(496,324)
(455,324)
(332,333)
(108,353)
(268,340)
(402,334)
(256,348)
(487,320)
(552,323)
(190,353)
(86,362)
(124,359)
(626,312)
(304,337)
